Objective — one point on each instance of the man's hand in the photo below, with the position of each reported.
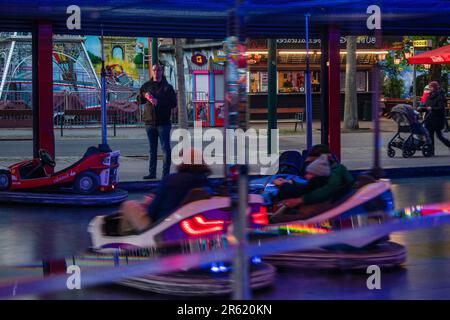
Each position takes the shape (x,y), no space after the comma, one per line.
(294,202)
(429,108)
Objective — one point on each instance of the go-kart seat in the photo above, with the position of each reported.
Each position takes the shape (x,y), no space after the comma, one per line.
(89,152)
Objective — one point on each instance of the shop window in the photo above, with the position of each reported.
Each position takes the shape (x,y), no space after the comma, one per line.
(294,81)
(258,82)
(291,82)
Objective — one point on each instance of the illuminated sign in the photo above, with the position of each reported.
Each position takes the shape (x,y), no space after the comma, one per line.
(199,59)
(220,59)
(422,43)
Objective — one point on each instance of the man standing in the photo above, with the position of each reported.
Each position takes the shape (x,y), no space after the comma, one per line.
(159,98)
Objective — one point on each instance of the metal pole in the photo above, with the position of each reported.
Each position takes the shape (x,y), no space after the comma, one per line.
(237,93)
(272,91)
(324,108)
(376,122)
(155,57)
(103,96)
(377,171)
(150,63)
(308,89)
(414,86)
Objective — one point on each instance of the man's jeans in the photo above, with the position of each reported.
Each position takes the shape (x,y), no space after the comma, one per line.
(163,132)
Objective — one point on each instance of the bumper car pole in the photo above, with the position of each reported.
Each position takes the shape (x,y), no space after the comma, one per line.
(308,89)
(103,96)
(238,185)
(377,171)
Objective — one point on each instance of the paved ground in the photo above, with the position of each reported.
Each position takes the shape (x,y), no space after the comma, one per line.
(357,151)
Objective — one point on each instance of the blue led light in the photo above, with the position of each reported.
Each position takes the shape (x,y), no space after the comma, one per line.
(214,268)
(223,268)
(256,260)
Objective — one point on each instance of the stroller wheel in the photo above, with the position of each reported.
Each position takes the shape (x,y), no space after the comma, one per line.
(407,153)
(391,153)
(427,150)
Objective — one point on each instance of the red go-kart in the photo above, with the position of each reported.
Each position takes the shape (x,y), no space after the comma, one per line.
(97,170)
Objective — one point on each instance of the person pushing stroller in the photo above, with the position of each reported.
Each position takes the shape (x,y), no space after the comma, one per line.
(419,137)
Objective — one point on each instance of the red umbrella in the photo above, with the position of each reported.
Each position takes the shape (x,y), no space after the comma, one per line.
(436,56)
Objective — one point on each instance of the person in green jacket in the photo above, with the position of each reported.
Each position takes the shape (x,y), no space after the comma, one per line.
(339,183)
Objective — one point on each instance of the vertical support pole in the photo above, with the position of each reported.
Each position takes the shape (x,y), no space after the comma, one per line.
(42,49)
(415,86)
(237,119)
(272,90)
(377,171)
(155,55)
(324,114)
(334,87)
(212,98)
(150,61)
(376,123)
(103,96)
(308,94)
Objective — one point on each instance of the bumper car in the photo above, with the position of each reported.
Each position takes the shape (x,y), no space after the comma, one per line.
(199,224)
(96,171)
(371,202)
(201,215)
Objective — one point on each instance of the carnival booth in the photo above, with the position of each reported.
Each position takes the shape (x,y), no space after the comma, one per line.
(207,90)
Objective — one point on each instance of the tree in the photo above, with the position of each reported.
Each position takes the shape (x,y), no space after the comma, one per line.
(182,108)
(351,103)
(94,58)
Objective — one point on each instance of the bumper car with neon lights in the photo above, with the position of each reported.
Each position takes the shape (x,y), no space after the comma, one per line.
(92,180)
(199,224)
(371,201)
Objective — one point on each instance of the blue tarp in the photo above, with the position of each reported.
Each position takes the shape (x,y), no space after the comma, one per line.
(208,19)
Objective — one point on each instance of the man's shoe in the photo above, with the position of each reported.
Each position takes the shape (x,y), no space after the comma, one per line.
(149,177)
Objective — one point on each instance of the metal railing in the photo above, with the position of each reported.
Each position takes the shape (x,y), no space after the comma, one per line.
(76,109)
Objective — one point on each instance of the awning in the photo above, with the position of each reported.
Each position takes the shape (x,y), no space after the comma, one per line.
(436,56)
(209,19)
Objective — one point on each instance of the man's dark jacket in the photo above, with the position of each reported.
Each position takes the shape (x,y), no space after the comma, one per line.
(167,100)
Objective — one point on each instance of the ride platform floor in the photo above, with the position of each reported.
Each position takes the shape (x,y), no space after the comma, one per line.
(28,234)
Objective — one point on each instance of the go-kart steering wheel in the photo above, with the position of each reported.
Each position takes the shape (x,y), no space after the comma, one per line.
(46,158)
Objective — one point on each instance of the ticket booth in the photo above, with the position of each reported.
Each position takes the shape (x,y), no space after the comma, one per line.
(208,92)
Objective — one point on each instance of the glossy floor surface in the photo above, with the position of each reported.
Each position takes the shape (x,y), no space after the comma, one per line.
(29,234)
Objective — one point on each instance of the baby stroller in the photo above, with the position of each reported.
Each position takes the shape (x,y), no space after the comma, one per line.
(408,122)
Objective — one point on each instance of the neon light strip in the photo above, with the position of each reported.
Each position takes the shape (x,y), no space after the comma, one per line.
(317,52)
(39,285)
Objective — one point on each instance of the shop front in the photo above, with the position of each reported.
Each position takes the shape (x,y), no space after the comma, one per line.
(291,66)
